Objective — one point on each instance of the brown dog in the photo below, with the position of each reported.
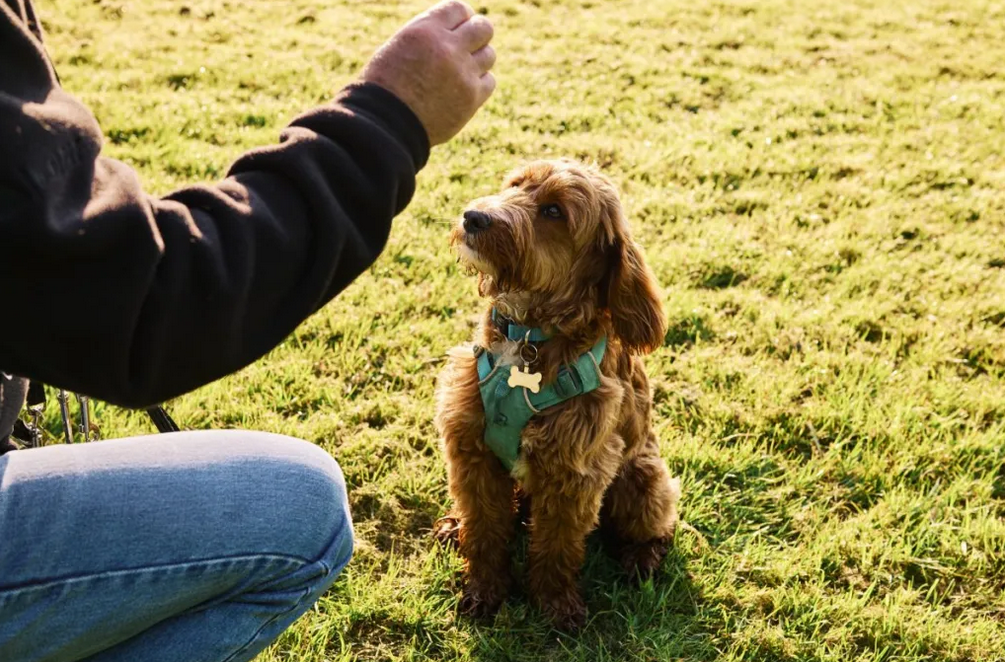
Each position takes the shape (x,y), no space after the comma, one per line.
(553,252)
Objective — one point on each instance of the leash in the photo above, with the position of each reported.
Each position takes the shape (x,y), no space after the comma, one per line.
(162,420)
(31,431)
(86,429)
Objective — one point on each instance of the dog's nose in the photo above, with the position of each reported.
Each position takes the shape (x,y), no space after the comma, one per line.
(476,221)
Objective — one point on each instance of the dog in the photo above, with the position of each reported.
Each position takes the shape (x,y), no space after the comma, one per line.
(568,291)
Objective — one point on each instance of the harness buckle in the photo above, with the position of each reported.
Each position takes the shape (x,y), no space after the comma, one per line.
(569,384)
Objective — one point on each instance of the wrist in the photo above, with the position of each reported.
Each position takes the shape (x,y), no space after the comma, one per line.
(379,103)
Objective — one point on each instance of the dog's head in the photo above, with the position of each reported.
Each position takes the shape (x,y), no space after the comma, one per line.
(557,233)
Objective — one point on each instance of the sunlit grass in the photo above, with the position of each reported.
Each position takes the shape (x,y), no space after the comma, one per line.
(821,190)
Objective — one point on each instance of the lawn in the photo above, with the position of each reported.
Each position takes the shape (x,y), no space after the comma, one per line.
(820,188)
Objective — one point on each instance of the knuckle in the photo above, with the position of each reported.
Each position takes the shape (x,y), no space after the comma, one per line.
(476,89)
(443,50)
(423,31)
(419,38)
(410,34)
(466,94)
(485,92)
(456,7)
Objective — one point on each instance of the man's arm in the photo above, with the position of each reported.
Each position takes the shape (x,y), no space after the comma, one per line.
(135,299)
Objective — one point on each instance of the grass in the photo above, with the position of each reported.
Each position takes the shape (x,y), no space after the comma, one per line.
(820,188)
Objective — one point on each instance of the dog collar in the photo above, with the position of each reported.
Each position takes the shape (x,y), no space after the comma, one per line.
(518,332)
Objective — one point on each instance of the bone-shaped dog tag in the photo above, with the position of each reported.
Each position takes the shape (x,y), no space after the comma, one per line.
(527,379)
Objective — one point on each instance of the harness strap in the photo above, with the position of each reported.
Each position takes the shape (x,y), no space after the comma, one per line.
(508,410)
(573,379)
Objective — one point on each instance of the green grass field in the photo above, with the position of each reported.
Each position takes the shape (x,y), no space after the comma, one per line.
(820,188)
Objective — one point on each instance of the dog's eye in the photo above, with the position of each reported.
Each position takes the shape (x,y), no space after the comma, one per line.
(551,211)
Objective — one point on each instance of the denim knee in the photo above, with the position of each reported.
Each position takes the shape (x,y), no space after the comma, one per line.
(335,526)
(309,498)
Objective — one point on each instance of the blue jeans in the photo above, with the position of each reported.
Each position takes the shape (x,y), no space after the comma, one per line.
(189,547)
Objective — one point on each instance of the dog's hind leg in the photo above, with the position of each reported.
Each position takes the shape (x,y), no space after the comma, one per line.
(640,512)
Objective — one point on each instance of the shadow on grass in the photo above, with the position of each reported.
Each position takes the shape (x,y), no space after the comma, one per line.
(628,620)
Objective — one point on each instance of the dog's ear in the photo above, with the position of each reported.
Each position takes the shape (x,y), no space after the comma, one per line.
(633,299)
(629,290)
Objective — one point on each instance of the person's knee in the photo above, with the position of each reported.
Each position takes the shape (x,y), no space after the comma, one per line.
(308,492)
(335,540)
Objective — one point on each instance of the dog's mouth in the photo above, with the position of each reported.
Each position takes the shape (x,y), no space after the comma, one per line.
(472,258)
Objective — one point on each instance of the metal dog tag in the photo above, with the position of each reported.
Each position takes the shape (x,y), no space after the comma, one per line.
(526,379)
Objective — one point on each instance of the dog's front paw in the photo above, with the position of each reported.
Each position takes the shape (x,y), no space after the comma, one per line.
(482,599)
(566,611)
(447,531)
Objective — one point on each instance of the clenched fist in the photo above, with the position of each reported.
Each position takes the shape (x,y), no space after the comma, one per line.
(438,64)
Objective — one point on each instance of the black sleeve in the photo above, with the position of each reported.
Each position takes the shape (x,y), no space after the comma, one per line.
(134,299)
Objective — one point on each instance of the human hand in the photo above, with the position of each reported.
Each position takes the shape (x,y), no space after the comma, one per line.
(438,64)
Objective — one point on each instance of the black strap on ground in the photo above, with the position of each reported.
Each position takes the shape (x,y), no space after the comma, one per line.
(162,420)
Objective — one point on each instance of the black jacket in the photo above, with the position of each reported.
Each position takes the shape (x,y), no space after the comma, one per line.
(136,299)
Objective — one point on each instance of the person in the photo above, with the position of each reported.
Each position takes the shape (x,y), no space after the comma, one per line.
(191,546)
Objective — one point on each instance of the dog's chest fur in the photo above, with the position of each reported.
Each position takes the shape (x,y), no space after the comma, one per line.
(507,352)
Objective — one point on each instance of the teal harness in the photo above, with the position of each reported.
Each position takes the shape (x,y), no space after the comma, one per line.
(509,409)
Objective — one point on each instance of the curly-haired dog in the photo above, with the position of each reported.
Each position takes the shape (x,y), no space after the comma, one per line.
(553,398)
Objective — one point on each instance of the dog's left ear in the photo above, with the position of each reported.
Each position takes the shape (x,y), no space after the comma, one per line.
(633,299)
(629,290)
